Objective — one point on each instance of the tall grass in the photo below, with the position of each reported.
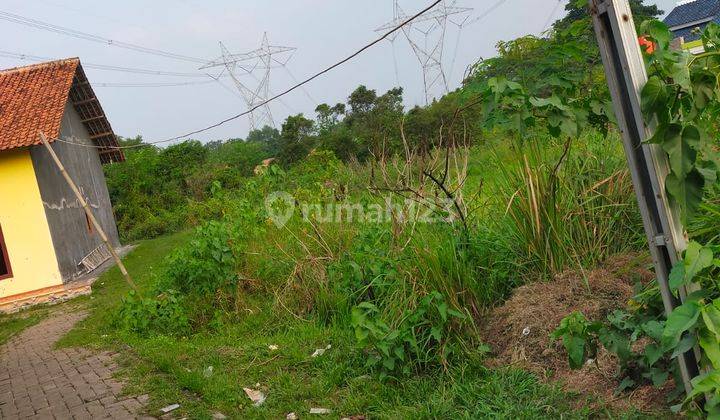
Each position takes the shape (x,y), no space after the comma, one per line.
(705,227)
(568,205)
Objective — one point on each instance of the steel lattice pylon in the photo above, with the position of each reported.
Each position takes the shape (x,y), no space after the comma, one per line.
(262,59)
(426,36)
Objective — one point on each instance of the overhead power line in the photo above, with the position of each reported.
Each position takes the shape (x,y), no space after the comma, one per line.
(151,85)
(30,57)
(38,24)
(283,93)
(485,14)
(546,26)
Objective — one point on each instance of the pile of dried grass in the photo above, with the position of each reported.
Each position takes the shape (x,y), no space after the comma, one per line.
(519,331)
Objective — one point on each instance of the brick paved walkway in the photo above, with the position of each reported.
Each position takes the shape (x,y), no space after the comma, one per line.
(39,382)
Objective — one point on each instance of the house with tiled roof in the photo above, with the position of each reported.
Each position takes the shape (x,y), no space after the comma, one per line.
(689,18)
(47,243)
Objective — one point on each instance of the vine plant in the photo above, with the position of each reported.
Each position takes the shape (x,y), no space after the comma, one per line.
(682,100)
(683,96)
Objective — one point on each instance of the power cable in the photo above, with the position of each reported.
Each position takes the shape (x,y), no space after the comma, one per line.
(546,26)
(38,24)
(281,94)
(30,57)
(151,85)
(486,12)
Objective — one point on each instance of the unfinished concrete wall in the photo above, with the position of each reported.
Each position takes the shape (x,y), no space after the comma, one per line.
(71,235)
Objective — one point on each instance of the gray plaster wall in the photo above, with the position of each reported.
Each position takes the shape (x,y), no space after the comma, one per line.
(68,225)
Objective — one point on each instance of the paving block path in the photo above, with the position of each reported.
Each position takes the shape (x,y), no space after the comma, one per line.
(39,382)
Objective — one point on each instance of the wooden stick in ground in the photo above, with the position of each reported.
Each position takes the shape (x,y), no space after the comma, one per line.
(88,212)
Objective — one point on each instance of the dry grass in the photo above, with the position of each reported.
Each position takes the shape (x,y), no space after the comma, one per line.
(519,331)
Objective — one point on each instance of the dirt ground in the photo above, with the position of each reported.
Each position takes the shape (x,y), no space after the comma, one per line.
(518,332)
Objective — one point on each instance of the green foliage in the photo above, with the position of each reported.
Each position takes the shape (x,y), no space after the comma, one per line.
(157,191)
(577,335)
(620,334)
(578,10)
(682,96)
(420,340)
(208,263)
(296,139)
(162,314)
(698,316)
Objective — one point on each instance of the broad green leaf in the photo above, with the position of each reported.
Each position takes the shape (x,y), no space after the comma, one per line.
(552,100)
(697,258)
(455,314)
(660,132)
(697,295)
(680,143)
(680,320)
(711,317)
(653,353)
(442,308)
(653,96)
(389,363)
(659,377)
(400,352)
(658,31)
(684,345)
(687,193)
(653,329)
(710,346)
(616,343)
(681,72)
(707,382)
(575,347)
(677,276)
(681,154)
(709,170)
(703,89)
(569,126)
(436,333)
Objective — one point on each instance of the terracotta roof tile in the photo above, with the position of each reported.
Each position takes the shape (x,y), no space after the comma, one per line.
(33,98)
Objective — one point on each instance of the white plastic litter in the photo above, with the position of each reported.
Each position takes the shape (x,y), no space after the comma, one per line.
(257,397)
(170,408)
(320,352)
(320,411)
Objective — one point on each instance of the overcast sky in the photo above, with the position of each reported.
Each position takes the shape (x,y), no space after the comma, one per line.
(323,31)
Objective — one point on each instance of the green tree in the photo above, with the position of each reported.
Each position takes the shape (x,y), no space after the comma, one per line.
(296,139)
(268,136)
(578,10)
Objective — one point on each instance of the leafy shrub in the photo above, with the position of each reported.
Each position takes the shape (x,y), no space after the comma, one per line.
(164,314)
(650,362)
(420,340)
(207,263)
(578,337)
(368,269)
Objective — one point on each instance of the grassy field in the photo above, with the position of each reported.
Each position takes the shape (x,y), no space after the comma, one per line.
(240,303)
(207,372)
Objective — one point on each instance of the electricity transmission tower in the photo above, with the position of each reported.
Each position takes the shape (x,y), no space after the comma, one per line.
(426,35)
(263,60)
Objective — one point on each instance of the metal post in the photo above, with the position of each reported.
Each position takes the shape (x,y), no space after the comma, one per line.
(88,212)
(626,75)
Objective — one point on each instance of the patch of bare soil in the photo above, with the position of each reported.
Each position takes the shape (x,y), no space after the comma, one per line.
(519,331)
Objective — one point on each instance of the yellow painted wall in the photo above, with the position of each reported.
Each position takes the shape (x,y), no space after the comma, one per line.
(25,228)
